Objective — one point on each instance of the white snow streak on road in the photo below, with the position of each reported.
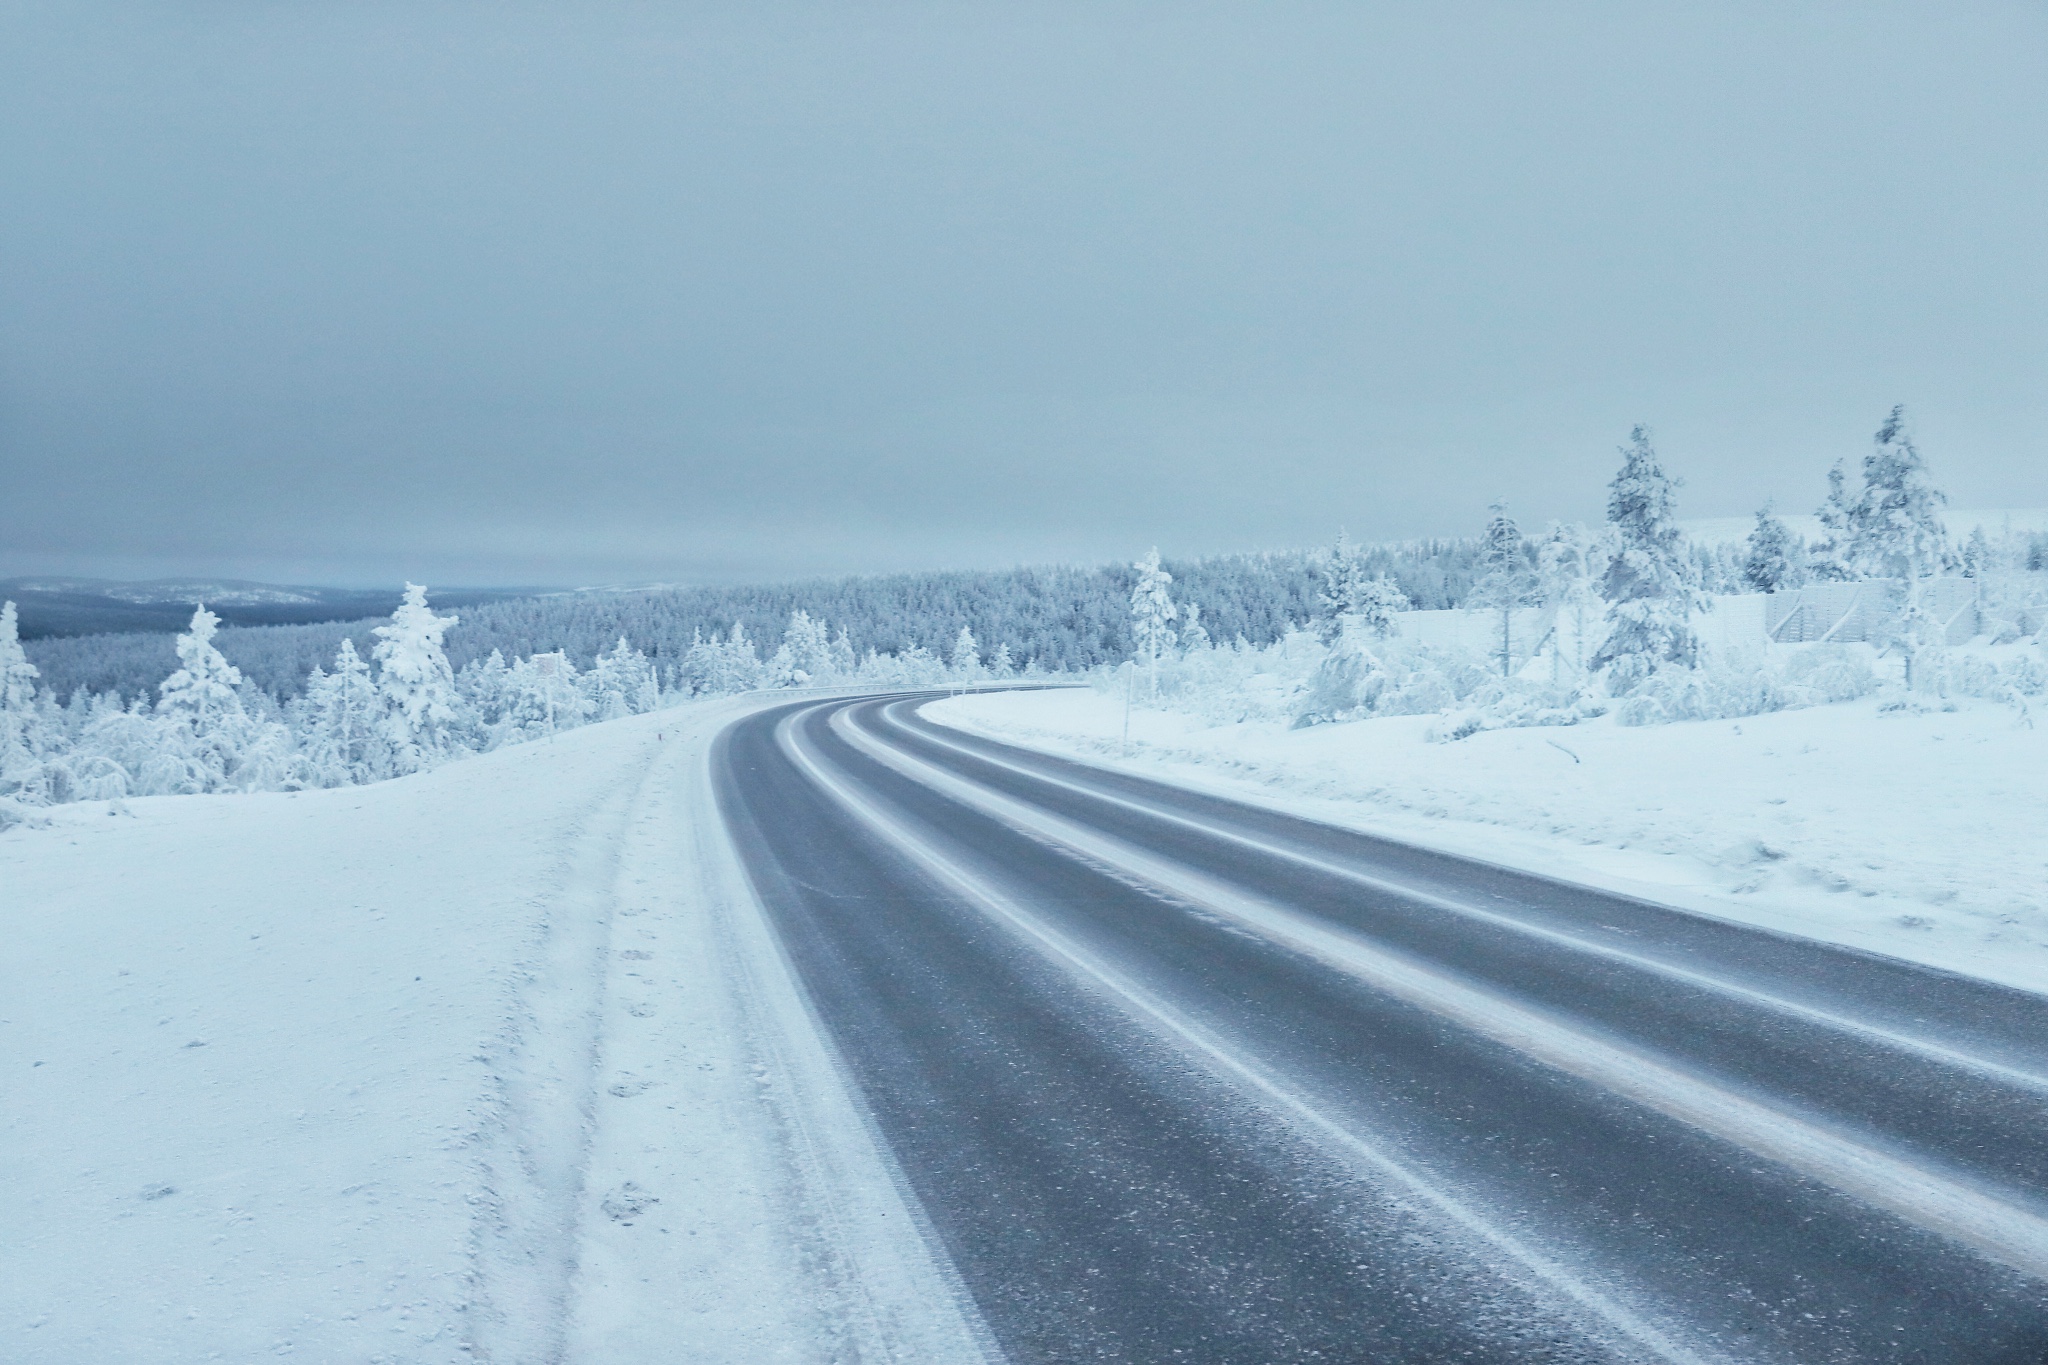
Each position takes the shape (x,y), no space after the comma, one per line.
(1518,1258)
(1997,1227)
(1927,1048)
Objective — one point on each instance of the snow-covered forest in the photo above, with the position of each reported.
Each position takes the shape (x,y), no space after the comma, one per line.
(1504,629)
(1065,618)
(1629,617)
(397,708)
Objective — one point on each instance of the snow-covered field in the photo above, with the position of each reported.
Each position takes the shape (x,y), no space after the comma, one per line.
(490,1062)
(1920,835)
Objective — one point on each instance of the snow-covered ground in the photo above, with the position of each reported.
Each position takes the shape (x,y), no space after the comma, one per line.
(495,1062)
(1920,835)
(501,1062)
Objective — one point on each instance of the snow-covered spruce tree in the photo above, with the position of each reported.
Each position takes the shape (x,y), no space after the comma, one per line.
(1152,614)
(1771,557)
(1342,569)
(805,654)
(1194,636)
(339,723)
(207,727)
(485,685)
(1505,580)
(1900,535)
(1649,585)
(26,735)
(1376,612)
(1897,527)
(1977,556)
(1352,590)
(422,710)
(621,683)
(733,664)
(840,660)
(1828,558)
(965,660)
(543,696)
(693,675)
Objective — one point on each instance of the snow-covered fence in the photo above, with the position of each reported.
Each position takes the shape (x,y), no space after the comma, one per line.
(1854,613)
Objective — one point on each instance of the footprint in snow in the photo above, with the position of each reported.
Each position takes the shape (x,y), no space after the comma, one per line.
(629,1086)
(627,1202)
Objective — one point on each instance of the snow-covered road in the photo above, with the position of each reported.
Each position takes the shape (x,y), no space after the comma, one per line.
(1177,1078)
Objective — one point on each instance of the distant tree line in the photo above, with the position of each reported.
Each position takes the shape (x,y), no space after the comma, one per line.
(1054,619)
(1581,621)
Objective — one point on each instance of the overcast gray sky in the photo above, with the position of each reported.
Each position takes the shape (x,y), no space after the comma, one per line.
(592,292)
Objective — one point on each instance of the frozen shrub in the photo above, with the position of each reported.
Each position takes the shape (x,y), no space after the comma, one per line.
(1823,674)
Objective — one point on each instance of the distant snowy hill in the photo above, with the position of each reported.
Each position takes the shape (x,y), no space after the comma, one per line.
(219,591)
(52,605)
(1722,530)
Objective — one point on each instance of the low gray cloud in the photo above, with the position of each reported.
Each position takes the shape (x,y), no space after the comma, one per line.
(614,292)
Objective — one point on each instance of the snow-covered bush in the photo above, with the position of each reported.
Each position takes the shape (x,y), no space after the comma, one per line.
(1514,703)
(1742,683)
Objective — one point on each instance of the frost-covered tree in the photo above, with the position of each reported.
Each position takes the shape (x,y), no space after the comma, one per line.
(201,694)
(339,723)
(622,683)
(1828,558)
(965,660)
(1354,592)
(201,708)
(805,654)
(1152,613)
(731,664)
(840,660)
(1978,557)
(1002,665)
(1649,585)
(1900,535)
(25,734)
(1897,526)
(1771,558)
(1505,579)
(422,709)
(1569,562)
(1343,572)
(1194,636)
(485,687)
(17,675)
(544,696)
(1377,612)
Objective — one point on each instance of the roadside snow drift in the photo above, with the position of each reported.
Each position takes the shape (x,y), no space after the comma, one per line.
(491,1063)
(1921,835)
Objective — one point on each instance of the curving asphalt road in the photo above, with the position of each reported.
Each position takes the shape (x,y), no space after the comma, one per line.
(1179,1079)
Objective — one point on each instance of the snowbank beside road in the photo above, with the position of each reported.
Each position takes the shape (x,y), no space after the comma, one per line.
(492,1062)
(1923,836)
